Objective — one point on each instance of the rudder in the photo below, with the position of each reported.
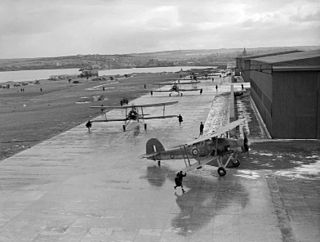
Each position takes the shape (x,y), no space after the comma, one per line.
(153,146)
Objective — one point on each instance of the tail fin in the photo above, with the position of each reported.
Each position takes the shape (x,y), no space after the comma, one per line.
(153,146)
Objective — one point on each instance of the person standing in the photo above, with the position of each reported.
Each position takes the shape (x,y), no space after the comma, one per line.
(201,128)
(89,125)
(180,119)
(216,88)
(178,180)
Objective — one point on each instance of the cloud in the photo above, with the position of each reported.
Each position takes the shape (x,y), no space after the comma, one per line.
(63,27)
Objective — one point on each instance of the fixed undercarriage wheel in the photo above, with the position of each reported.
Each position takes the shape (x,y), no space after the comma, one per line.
(235,162)
(222,171)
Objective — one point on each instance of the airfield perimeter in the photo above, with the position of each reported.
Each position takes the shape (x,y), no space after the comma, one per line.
(78,186)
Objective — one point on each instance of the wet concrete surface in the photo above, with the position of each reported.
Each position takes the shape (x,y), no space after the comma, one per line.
(80,186)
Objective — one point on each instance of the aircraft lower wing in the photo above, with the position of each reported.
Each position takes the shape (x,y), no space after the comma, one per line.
(199,163)
(109,120)
(159,117)
(162,91)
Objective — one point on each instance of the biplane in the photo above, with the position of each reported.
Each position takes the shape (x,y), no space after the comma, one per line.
(175,88)
(134,113)
(212,149)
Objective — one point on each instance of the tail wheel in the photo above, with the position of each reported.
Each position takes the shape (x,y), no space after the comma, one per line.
(235,162)
(124,128)
(222,171)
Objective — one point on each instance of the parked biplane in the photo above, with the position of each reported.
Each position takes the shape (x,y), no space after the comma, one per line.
(212,149)
(132,113)
(177,89)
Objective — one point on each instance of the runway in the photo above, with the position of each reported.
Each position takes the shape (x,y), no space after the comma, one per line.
(80,186)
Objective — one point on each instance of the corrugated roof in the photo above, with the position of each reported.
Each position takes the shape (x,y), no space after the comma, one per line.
(289,57)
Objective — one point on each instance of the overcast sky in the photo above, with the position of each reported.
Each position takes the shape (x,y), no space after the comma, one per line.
(33,28)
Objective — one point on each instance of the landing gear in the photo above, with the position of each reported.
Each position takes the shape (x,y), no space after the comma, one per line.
(159,163)
(222,171)
(124,128)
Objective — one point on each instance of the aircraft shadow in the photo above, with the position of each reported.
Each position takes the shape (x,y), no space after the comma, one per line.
(204,198)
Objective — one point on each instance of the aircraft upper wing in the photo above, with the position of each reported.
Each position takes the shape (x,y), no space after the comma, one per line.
(187,90)
(182,83)
(100,107)
(139,105)
(156,104)
(178,83)
(158,117)
(218,132)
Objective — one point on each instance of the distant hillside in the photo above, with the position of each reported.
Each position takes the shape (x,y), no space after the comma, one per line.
(153,59)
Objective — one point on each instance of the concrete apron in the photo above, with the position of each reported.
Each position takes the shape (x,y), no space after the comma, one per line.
(80,186)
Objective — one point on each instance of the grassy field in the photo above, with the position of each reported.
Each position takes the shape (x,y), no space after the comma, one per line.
(29,117)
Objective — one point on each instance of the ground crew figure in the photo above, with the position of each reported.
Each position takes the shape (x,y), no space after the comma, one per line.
(180,119)
(216,88)
(40,89)
(178,180)
(201,128)
(89,125)
(242,87)
(201,91)
(151,92)
(245,143)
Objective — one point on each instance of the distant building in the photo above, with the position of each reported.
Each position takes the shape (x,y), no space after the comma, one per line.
(285,87)
(87,72)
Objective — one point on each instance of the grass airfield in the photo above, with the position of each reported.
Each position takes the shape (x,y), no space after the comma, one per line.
(80,186)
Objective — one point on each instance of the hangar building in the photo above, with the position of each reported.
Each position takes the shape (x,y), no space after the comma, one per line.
(286,90)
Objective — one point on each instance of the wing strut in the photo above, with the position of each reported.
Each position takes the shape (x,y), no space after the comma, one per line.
(185,156)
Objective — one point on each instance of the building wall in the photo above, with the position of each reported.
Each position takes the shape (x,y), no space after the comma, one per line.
(297,110)
(261,93)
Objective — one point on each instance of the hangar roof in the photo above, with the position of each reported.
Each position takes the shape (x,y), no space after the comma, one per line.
(268,54)
(289,57)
